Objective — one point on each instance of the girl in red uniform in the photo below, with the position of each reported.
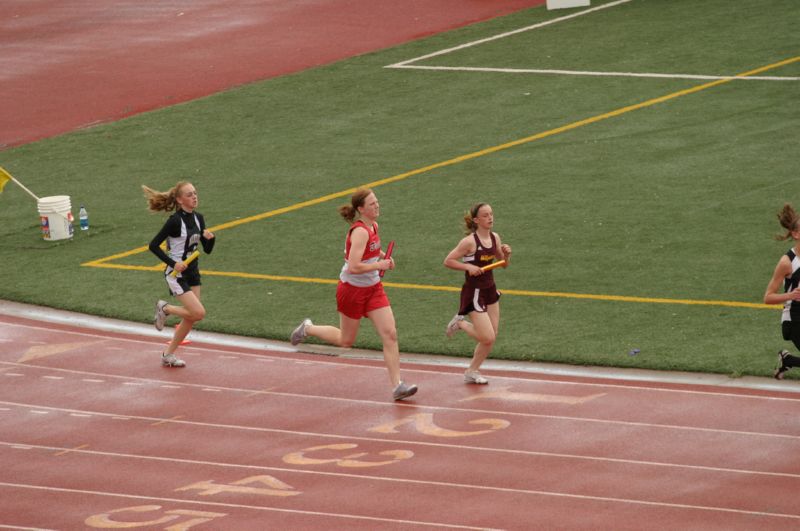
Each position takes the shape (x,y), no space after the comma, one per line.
(480,299)
(360,291)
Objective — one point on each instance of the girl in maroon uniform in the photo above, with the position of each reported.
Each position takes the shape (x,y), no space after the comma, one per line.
(360,291)
(480,299)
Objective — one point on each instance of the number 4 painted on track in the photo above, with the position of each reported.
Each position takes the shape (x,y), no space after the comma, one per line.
(275,487)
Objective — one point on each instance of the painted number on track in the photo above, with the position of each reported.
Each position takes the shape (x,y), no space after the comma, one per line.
(423,423)
(348,461)
(270,487)
(184,519)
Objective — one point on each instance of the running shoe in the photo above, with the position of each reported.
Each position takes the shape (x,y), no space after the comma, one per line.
(171,360)
(161,316)
(452,326)
(299,333)
(403,391)
(474,377)
(782,368)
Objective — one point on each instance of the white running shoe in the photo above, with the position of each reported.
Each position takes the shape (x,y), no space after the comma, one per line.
(474,377)
(160,316)
(171,360)
(403,391)
(299,333)
(452,326)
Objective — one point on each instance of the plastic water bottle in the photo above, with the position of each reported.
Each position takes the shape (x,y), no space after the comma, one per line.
(83,216)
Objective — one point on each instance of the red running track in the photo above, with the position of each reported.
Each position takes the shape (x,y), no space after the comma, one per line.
(75,63)
(96,434)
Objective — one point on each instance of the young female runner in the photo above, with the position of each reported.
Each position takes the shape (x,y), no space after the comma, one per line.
(183,231)
(480,299)
(360,291)
(787,272)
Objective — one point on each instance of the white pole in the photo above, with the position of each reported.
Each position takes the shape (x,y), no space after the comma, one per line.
(24,188)
(4,172)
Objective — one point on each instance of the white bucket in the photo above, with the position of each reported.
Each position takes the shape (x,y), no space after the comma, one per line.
(56,215)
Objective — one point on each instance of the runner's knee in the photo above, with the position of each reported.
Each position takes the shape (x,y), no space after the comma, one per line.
(487,339)
(197,314)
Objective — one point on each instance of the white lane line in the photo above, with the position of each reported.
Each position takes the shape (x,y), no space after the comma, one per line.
(426,482)
(257,429)
(232,505)
(534,379)
(418,407)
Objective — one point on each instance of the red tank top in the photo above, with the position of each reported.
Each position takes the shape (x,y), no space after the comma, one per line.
(372,253)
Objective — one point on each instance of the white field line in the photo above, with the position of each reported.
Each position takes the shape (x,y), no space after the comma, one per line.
(508,34)
(407,64)
(590,73)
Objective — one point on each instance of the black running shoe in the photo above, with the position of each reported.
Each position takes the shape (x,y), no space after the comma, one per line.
(782,368)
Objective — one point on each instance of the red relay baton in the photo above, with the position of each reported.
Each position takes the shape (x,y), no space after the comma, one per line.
(389,249)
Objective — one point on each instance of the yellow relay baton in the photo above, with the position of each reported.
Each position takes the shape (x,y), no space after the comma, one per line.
(189,259)
(494,265)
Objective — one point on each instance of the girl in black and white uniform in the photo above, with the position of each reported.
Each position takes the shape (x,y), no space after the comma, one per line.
(480,299)
(183,231)
(787,272)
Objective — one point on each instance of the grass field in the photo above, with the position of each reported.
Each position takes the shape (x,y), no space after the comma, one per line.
(641,208)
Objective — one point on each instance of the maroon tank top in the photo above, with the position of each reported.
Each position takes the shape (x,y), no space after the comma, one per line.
(482,256)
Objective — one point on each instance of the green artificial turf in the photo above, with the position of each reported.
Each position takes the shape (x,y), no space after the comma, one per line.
(673,200)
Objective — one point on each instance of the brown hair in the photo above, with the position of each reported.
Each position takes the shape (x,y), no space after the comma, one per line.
(789,220)
(469,218)
(166,201)
(349,212)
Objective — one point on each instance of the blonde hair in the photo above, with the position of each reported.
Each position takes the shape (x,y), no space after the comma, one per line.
(163,201)
(349,212)
(789,220)
(469,218)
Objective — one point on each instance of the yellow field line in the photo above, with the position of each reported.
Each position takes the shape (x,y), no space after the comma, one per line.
(429,287)
(457,160)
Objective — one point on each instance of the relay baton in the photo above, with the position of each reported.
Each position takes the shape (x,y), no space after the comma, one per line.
(501,263)
(389,249)
(189,259)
